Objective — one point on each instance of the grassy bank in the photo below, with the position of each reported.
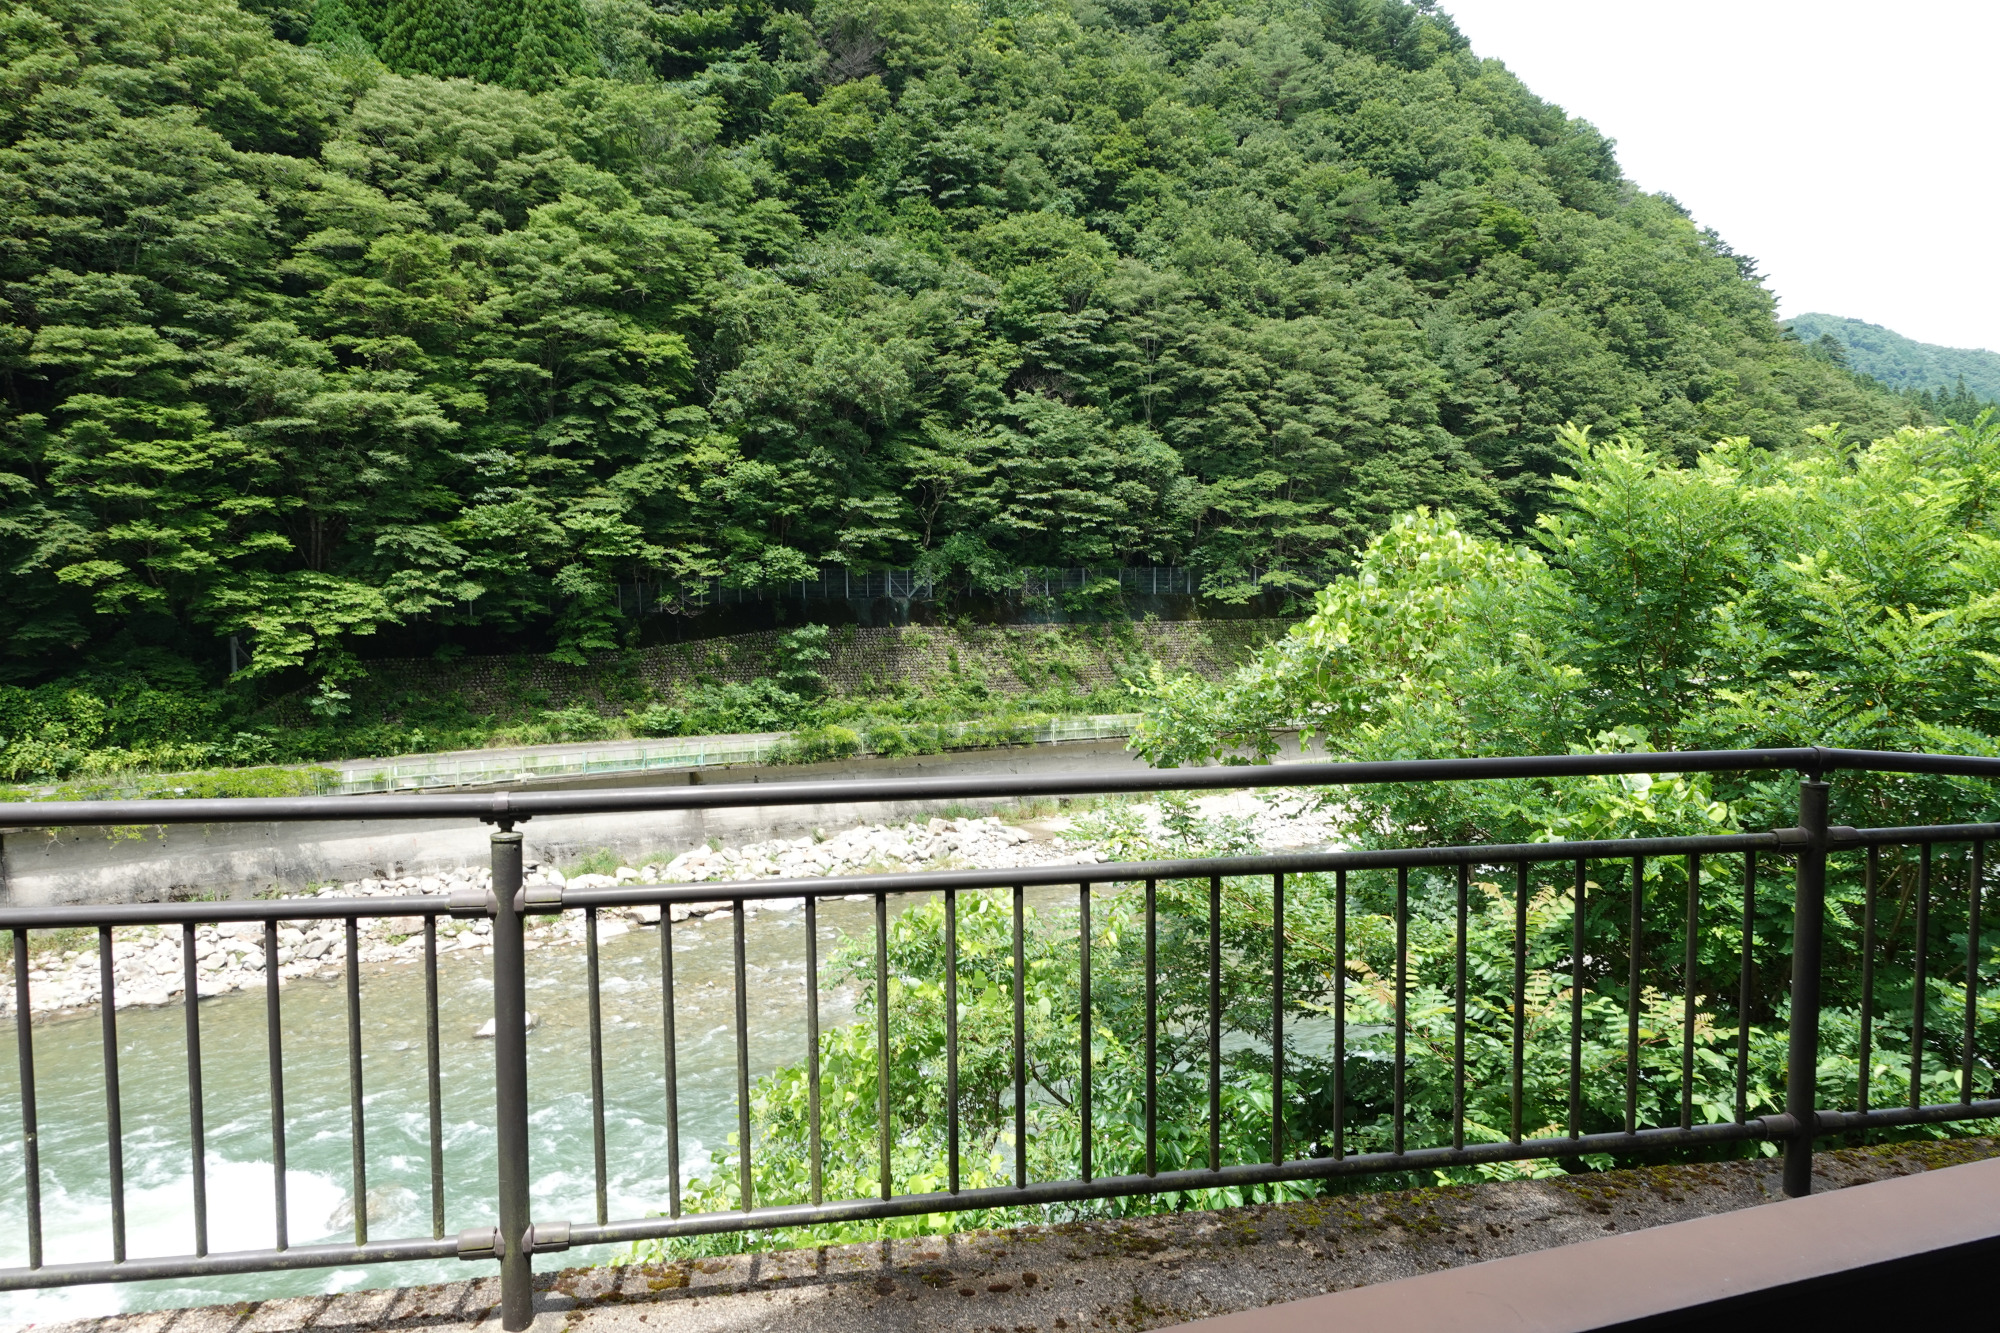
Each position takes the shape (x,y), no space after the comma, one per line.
(908,690)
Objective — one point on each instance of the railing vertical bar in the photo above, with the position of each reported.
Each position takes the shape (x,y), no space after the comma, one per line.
(1215,1022)
(1978,872)
(513,1175)
(1802,1039)
(1339,1014)
(1636,944)
(275,1050)
(1745,980)
(882,1038)
(744,1187)
(1576,999)
(1086,1039)
(197,1119)
(1458,1013)
(24,1050)
(669,1040)
(951,1038)
(1278,1017)
(1920,981)
(434,1074)
(815,1147)
(356,1124)
(593,998)
(1152,1029)
(1020,1044)
(1516,1101)
(1869,877)
(114,1122)
(1689,963)
(1402,1001)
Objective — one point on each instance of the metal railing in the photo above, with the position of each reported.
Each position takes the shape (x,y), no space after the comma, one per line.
(855,585)
(429,772)
(514,1235)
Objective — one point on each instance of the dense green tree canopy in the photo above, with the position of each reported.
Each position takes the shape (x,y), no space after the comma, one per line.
(297,347)
(1822,595)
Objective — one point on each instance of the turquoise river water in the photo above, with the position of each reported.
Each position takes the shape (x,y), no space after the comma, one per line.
(153,1076)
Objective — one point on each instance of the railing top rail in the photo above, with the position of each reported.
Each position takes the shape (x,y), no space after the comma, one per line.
(513,807)
(544,899)
(548,899)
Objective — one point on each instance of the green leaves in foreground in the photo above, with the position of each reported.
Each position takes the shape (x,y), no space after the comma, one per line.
(1828,594)
(1318,981)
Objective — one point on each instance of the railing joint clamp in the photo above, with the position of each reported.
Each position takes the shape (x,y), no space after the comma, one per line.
(538,898)
(547,1237)
(1778,1126)
(466,903)
(481,1243)
(1837,835)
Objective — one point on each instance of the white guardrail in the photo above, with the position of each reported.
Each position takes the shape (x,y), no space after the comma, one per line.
(473,769)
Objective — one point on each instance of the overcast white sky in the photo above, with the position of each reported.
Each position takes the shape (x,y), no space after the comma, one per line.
(1850,148)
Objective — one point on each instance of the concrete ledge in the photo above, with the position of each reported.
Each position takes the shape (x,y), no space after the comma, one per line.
(1144,1273)
(1916,1246)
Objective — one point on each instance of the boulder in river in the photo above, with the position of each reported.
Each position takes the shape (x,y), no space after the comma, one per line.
(487,1029)
(383,1202)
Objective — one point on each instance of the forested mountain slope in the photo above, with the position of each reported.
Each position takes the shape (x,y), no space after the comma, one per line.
(1900,362)
(296,348)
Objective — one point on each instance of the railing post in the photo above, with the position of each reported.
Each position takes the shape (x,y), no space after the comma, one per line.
(510,1083)
(1808,931)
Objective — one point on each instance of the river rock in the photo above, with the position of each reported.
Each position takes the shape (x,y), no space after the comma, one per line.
(487,1029)
(383,1202)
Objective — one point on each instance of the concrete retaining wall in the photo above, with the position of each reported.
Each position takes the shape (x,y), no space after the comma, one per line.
(1007,660)
(44,866)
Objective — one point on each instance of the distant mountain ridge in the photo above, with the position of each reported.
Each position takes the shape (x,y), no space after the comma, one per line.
(1904,363)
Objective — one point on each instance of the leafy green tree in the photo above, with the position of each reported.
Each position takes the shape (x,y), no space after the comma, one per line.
(346,24)
(425,37)
(455,341)
(1830,594)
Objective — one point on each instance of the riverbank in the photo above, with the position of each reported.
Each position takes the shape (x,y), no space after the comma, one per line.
(45,866)
(1135,1274)
(148,962)
(803,695)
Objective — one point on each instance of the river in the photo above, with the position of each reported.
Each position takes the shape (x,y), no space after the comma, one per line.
(153,1064)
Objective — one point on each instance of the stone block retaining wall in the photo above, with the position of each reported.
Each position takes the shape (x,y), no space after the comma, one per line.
(1009,660)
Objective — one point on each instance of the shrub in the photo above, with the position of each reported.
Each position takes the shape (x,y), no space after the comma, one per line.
(817,745)
(659,720)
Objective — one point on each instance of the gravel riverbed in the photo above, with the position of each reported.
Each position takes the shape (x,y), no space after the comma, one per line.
(147,961)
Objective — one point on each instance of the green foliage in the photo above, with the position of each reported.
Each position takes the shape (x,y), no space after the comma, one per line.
(1826,594)
(918,1111)
(799,660)
(158,718)
(308,346)
(575,722)
(528,44)
(426,36)
(817,745)
(603,861)
(206,784)
(1318,979)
